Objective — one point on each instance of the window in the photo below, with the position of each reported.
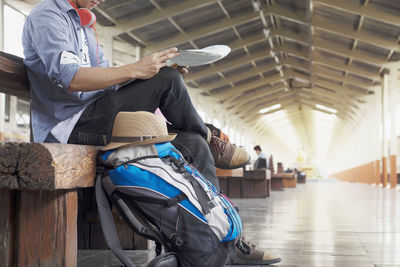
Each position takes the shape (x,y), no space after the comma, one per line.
(7,108)
(13,25)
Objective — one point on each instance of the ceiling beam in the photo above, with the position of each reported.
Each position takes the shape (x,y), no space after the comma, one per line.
(338,30)
(344,51)
(331,85)
(299,38)
(239,43)
(332,103)
(160,14)
(362,10)
(340,88)
(346,79)
(310,35)
(265,95)
(277,98)
(351,69)
(319,59)
(228,93)
(348,32)
(353,102)
(234,63)
(332,97)
(243,99)
(336,49)
(253,112)
(328,75)
(236,78)
(216,27)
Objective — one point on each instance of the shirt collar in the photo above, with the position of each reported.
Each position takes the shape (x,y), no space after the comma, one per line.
(65,6)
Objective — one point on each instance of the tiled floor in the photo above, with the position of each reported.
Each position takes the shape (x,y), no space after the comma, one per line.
(322,223)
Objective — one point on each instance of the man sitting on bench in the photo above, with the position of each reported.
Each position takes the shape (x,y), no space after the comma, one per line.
(74,97)
(261,162)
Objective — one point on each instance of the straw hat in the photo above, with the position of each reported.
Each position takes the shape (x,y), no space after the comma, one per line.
(138,128)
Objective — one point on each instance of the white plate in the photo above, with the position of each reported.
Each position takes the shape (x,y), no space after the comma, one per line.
(197,57)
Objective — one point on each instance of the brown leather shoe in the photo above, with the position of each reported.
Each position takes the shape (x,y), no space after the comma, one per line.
(227,155)
(247,254)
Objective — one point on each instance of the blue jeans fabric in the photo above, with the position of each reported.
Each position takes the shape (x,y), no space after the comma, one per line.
(165,90)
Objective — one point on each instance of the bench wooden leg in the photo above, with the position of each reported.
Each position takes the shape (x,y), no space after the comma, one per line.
(6,227)
(276,184)
(44,232)
(289,182)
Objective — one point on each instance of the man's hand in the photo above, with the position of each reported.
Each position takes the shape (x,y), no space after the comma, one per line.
(182,69)
(150,65)
(92,79)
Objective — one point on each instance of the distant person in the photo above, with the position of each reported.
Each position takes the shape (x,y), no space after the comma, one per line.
(262,161)
(289,170)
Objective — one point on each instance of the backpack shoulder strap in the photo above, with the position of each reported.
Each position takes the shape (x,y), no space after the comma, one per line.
(108,225)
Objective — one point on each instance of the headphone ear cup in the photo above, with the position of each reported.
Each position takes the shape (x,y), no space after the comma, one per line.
(88,18)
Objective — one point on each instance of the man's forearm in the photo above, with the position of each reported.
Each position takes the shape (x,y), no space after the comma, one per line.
(92,79)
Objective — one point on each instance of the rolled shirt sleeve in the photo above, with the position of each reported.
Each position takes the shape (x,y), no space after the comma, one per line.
(55,47)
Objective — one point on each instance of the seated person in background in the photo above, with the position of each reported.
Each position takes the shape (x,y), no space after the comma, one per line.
(289,170)
(261,162)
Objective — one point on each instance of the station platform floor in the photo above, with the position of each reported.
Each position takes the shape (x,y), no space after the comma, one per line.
(322,223)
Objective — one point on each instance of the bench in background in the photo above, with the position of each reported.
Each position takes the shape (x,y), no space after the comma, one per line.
(280,179)
(239,183)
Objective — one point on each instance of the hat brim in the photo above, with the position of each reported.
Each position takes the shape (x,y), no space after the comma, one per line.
(161,139)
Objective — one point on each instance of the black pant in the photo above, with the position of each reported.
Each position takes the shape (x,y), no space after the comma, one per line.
(165,90)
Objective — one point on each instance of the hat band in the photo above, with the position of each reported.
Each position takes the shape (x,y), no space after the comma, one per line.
(131,139)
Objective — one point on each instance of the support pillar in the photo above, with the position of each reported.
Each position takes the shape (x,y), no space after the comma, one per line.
(385,86)
(393,127)
(377,138)
(2,115)
(108,46)
(371,139)
(138,53)
(2,2)
(13,115)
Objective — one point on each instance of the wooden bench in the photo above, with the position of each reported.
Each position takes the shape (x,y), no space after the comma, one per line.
(288,179)
(39,201)
(280,179)
(301,177)
(39,186)
(239,183)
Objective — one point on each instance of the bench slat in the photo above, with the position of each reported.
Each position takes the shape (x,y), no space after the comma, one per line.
(13,78)
(37,166)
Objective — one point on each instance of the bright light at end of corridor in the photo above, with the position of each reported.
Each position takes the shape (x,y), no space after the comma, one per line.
(265,110)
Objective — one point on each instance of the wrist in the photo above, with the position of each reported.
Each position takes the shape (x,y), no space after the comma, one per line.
(129,71)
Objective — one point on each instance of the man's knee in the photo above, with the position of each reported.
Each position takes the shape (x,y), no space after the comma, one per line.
(169,74)
(194,148)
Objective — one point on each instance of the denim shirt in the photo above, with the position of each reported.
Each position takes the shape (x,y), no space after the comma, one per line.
(52,48)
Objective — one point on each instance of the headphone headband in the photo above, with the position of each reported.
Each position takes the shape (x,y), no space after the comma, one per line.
(87,17)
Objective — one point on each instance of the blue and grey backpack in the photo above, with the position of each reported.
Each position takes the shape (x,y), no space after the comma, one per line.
(165,199)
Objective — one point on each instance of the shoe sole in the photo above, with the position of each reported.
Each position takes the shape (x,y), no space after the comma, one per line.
(246,262)
(237,166)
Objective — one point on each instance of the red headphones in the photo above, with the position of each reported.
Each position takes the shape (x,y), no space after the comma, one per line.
(88,18)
